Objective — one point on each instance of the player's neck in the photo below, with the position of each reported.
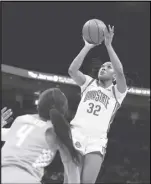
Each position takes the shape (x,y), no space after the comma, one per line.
(105,84)
(38,117)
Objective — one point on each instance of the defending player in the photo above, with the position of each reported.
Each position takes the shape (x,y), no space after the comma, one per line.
(100,100)
(33,140)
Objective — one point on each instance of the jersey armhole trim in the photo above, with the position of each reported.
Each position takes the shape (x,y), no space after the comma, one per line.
(113,89)
(87,86)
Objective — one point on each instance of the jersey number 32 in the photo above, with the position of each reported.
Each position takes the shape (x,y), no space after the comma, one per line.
(95,109)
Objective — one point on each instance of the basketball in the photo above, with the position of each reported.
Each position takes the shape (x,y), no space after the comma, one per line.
(93,31)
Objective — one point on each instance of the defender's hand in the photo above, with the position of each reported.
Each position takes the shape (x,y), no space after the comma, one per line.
(5,116)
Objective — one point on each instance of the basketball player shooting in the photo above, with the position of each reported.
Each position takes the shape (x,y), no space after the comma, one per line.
(100,100)
(33,140)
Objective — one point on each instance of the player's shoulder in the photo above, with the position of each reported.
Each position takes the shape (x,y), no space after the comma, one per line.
(118,95)
(36,120)
(24,117)
(19,120)
(89,79)
(117,91)
(88,82)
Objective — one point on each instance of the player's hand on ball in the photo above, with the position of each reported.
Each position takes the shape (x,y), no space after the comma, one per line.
(5,116)
(108,35)
(88,44)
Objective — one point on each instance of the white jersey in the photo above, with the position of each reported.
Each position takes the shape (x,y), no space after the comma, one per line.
(27,151)
(97,108)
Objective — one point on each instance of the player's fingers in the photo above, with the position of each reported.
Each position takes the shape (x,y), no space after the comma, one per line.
(3,110)
(7,114)
(7,117)
(110,29)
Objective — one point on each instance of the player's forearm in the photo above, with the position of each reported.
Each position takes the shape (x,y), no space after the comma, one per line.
(117,65)
(78,61)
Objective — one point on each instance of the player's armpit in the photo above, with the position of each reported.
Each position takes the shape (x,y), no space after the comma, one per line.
(88,80)
(78,77)
(51,139)
(121,82)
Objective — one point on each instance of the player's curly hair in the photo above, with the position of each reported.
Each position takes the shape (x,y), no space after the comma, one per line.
(53,105)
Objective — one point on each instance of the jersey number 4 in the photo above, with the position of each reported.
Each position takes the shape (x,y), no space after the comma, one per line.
(22,133)
(95,109)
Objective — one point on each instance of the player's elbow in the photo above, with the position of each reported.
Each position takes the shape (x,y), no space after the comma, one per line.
(73,74)
(71,71)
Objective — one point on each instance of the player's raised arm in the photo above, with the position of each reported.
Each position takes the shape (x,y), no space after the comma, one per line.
(117,65)
(73,70)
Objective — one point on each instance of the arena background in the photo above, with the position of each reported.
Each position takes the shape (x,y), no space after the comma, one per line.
(40,40)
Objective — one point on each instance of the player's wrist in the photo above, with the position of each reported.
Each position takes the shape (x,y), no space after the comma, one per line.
(87,47)
(3,123)
(108,46)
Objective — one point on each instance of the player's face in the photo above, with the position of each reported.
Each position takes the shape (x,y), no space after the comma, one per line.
(106,72)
